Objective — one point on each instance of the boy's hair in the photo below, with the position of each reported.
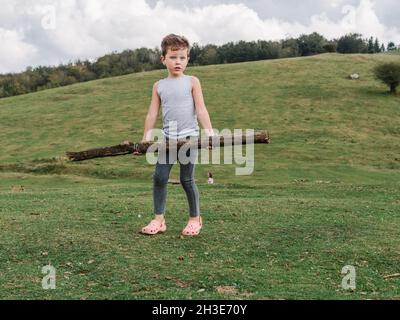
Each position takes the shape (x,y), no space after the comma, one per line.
(174,42)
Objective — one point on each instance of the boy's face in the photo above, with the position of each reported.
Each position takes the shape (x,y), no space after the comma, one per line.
(176,61)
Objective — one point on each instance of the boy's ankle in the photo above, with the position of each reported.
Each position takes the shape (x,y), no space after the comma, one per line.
(159,217)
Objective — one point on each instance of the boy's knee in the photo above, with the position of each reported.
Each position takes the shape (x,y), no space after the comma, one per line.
(186,181)
(160,180)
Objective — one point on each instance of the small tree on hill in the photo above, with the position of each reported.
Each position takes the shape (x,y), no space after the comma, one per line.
(371,48)
(389,73)
(377,46)
(391,46)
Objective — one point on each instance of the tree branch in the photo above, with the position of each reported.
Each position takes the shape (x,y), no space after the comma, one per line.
(262,137)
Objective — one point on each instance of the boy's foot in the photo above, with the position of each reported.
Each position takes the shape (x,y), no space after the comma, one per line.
(193,227)
(155,226)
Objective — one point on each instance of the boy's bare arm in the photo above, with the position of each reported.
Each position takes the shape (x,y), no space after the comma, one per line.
(151,117)
(152,114)
(201,109)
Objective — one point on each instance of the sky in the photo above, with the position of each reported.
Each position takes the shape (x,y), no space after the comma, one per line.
(50,32)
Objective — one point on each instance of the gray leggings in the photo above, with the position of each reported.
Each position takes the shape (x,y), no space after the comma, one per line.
(161,176)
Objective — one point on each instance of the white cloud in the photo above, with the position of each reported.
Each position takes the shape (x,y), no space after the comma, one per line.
(15,53)
(91,28)
(336,3)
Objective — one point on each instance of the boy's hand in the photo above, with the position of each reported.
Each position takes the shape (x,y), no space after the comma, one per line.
(137,153)
(210,134)
(127,143)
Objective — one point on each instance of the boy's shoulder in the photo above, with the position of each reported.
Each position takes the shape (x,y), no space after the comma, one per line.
(195,82)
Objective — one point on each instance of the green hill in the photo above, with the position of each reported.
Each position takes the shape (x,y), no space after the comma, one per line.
(324,194)
(317,117)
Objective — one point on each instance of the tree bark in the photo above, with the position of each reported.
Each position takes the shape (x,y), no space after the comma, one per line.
(141,148)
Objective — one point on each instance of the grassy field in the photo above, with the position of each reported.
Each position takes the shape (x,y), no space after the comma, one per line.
(324,194)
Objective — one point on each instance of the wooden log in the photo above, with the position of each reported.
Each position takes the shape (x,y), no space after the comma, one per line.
(262,137)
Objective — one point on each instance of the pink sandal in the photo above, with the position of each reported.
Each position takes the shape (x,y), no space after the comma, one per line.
(154,227)
(193,228)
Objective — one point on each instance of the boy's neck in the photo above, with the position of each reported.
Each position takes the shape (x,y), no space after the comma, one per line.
(175,77)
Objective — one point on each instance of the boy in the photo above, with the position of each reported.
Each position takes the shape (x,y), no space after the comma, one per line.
(183,105)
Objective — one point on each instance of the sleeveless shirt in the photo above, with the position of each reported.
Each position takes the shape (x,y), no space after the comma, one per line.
(178,107)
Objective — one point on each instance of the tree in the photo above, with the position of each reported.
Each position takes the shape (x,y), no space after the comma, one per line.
(389,73)
(11,86)
(331,46)
(377,47)
(290,48)
(268,50)
(352,43)
(209,55)
(371,48)
(249,50)
(391,46)
(311,44)
(194,54)
(225,52)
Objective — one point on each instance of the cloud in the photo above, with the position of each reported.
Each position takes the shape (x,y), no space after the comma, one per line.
(55,31)
(15,52)
(336,3)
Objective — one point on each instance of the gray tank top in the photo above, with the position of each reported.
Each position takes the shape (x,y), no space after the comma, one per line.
(178,107)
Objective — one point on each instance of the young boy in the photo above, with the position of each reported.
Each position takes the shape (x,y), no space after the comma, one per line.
(181,99)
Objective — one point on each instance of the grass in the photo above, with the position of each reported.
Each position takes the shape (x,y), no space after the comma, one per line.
(394,52)
(323,195)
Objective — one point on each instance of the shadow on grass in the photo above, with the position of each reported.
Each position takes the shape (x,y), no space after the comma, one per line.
(379,93)
(60,166)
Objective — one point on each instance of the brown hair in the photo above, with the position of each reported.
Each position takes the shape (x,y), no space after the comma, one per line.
(174,42)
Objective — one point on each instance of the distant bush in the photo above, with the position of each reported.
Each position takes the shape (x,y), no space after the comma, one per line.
(330,47)
(389,73)
(391,46)
(352,43)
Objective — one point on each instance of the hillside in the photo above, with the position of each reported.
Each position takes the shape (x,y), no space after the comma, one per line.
(316,116)
(324,193)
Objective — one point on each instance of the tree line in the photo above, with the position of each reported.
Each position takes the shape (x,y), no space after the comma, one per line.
(144,59)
